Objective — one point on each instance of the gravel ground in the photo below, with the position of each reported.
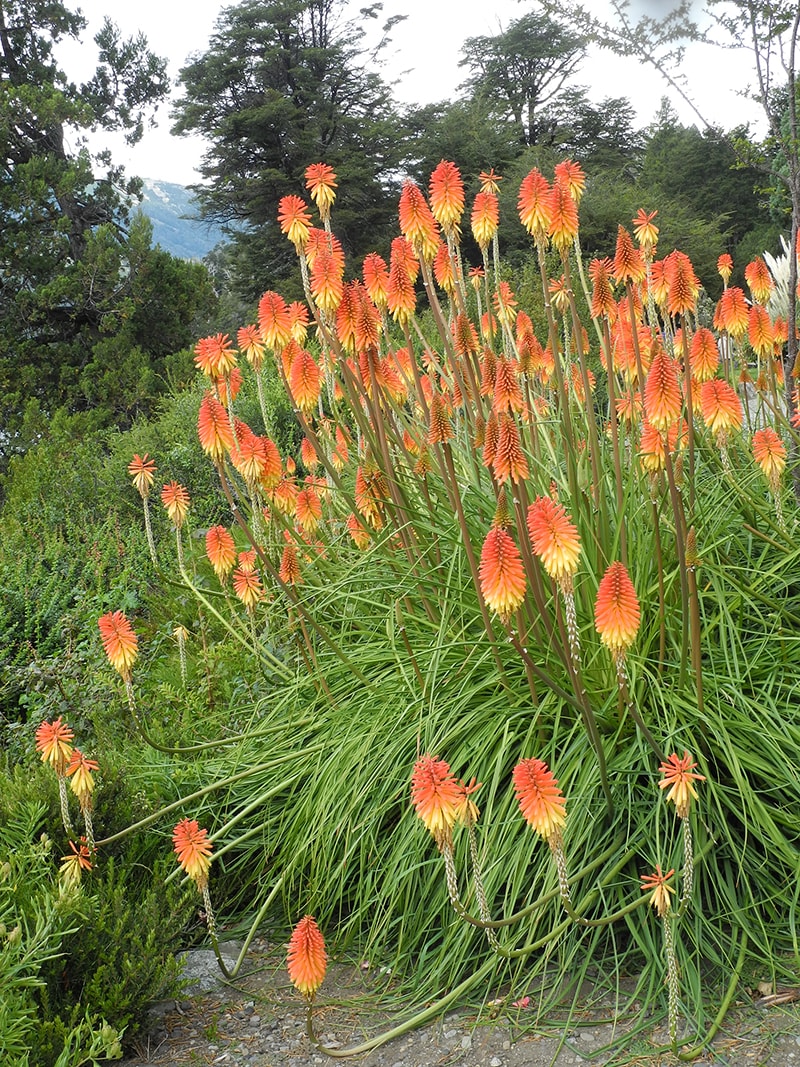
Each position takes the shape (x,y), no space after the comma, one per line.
(259,1021)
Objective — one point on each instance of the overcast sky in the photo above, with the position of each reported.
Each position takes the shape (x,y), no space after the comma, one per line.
(422,59)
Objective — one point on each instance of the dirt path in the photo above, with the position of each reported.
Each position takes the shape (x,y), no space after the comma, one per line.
(259,1021)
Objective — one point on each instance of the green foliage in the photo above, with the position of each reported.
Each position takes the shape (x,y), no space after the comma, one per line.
(88,310)
(118,962)
(280,87)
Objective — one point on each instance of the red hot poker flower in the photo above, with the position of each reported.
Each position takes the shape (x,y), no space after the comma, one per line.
(321,183)
(485,219)
(53,744)
(142,469)
(679,778)
(554,538)
(540,799)
(221,551)
(501,574)
(769,453)
(656,884)
(193,850)
(447,196)
(175,498)
(294,220)
(119,642)
(437,796)
(306,959)
(616,610)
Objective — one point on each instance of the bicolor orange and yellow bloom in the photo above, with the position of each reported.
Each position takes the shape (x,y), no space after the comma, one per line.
(540,799)
(662,391)
(721,407)
(142,470)
(321,184)
(501,573)
(53,744)
(679,778)
(554,538)
(193,850)
(616,609)
(769,453)
(294,220)
(175,498)
(306,959)
(447,196)
(437,797)
(221,551)
(79,771)
(119,642)
(656,885)
(74,864)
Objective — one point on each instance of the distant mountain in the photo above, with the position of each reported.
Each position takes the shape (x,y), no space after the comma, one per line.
(176,225)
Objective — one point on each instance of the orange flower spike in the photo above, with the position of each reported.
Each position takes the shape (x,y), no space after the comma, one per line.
(725,267)
(769,453)
(251,345)
(603,303)
(308,509)
(485,219)
(443,270)
(679,777)
(657,885)
(509,459)
(221,551)
(507,390)
(175,498)
(305,381)
(119,642)
(294,220)
(682,284)
(554,538)
(704,355)
(321,184)
(213,429)
(289,570)
(193,850)
(732,313)
(616,609)
(490,182)
(533,204)
(645,230)
(502,578)
(662,392)
(376,279)
(540,800)
(273,320)
(79,769)
(436,796)
(759,280)
(760,332)
(53,744)
(417,223)
(78,861)
(446,192)
(142,470)
(572,175)
(360,534)
(563,227)
(629,264)
(326,281)
(215,356)
(721,407)
(306,959)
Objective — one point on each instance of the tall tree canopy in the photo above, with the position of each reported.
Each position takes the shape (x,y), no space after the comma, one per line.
(521,70)
(69,277)
(286,83)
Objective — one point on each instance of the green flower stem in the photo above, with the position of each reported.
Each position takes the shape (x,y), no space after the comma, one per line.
(251,933)
(148,529)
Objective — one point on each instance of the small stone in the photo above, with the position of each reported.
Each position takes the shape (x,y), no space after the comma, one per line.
(587,1035)
(506,1045)
(466,1041)
(495,1061)
(450,1034)
(254,1020)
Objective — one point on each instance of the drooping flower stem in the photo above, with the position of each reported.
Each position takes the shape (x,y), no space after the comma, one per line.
(211,922)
